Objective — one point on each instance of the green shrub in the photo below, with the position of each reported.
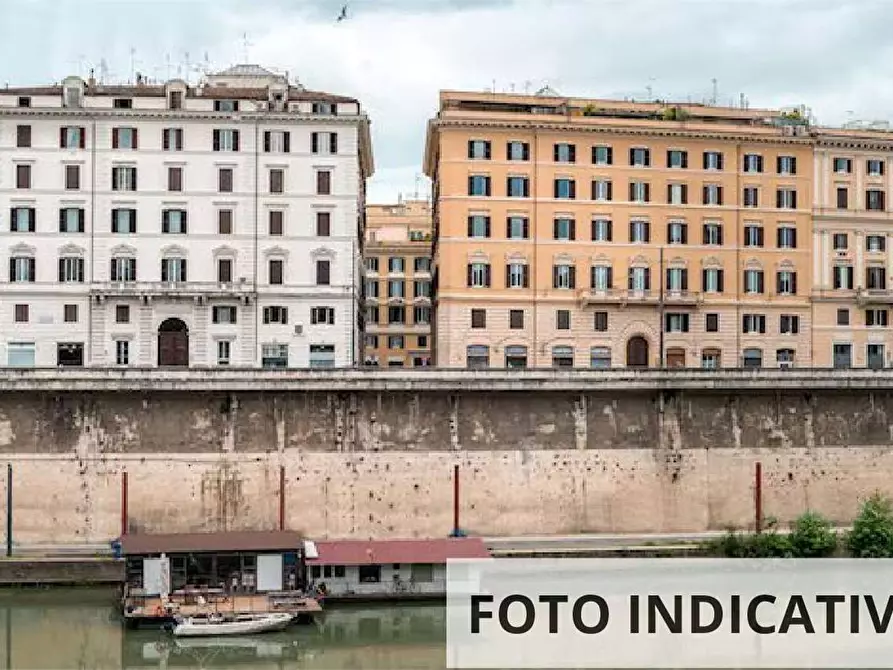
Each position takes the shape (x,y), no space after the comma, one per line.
(812,536)
(872,534)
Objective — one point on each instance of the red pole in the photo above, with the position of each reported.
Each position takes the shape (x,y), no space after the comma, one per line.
(281,497)
(456,499)
(124,503)
(758,497)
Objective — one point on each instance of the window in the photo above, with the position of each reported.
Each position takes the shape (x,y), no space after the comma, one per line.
(325,109)
(517,228)
(173,269)
(562,356)
(602,155)
(372,264)
(478,226)
(278,315)
(753,281)
(72,96)
(323,272)
(175,179)
(275,271)
(323,182)
(23,176)
(225,180)
(516,275)
(478,318)
(601,278)
(477,356)
(712,194)
(122,103)
(677,232)
(224,270)
(516,187)
(224,351)
(396,315)
(22,269)
(122,313)
(876,277)
(123,178)
(875,243)
(70,354)
(323,224)
(396,288)
(122,269)
(274,356)
(277,180)
(224,222)
(601,230)
(839,241)
(676,323)
(23,220)
(275,222)
(71,270)
(639,279)
(639,231)
(751,196)
(562,319)
(517,151)
(122,352)
(226,105)
(874,167)
(677,159)
(874,354)
(396,264)
(516,319)
(677,279)
(421,314)
(479,185)
(711,359)
(564,276)
(875,200)
(600,357)
(279,142)
(786,237)
(843,317)
(842,277)
(713,160)
(602,190)
(124,138)
(712,234)
(564,228)
(677,194)
(478,275)
(711,323)
(753,236)
(639,191)
(563,152)
(71,220)
(843,165)
(23,137)
(20,313)
(172,139)
(322,316)
(600,322)
(479,149)
(753,163)
(396,342)
(24,101)
(876,318)
(788,324)
(72,177)
(786,282)
(224,314)
(173,221)
(225,140)
(421,288)
(640,157)
(371,289)
(70,313)
(753,323)
(786,198)
(712,280)
(421,264)
(786,165)
(843,355)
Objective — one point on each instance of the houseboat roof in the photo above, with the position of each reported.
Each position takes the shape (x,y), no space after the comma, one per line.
(275,540)
(364,552)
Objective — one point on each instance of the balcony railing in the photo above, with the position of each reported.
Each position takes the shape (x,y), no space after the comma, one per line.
(173,289)
(636,297)
(874,296)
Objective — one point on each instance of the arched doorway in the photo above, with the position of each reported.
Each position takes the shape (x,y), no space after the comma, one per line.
(173,343)
(637,352)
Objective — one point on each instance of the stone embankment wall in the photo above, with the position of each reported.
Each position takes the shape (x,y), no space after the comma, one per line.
(373,463)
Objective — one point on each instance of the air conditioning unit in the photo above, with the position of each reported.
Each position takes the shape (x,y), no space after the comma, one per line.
(299,329)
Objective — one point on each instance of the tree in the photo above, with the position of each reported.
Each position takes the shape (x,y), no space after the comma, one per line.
(872,534)
(812,536)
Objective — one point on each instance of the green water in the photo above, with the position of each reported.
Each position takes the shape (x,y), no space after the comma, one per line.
(63,629)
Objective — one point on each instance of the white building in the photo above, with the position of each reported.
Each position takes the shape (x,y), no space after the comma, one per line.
(149,225)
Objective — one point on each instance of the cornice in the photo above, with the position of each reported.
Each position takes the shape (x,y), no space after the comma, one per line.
(554,126)
(854,143)
(179,115)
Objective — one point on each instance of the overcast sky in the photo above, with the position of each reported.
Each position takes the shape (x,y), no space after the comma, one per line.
(394,55)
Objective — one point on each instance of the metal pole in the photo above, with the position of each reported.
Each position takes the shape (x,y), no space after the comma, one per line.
(124,522)
(758,497)
(456,500)
(281,497)
(660,326)
(8,510)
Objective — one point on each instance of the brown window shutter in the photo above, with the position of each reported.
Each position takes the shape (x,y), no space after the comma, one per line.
(216,140)
(62,137)
(235,140)
(314,143)
(136,143)
(114,138)
(333,143)
(165,139)
(286,143)
(267,141)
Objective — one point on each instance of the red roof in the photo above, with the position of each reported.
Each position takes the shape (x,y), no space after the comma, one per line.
(363,552)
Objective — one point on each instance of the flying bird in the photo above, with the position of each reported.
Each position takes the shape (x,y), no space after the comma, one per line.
(342,15)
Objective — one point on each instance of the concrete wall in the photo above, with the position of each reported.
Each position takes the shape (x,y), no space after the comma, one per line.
(367,463)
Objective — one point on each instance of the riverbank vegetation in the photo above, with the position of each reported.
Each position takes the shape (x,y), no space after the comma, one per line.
(813,536)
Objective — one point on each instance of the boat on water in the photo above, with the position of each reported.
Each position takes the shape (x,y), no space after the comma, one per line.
(241,624)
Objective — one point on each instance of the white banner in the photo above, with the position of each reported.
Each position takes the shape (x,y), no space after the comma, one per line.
(670,613)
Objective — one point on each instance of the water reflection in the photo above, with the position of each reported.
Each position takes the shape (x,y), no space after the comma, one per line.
(80,629)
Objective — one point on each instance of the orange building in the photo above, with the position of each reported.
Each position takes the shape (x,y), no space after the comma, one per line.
(397,261)
(597,233)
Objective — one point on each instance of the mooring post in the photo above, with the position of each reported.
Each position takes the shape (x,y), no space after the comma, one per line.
(8,510)
(758,497)
(124,521)
(281,497)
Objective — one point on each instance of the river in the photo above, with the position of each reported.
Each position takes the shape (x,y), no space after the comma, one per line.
(80,628)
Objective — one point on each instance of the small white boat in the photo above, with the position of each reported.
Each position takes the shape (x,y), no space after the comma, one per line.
(240,624)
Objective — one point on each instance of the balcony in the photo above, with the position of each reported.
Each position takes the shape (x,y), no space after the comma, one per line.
(158,289)
(874,296)
(397,329)
(683,298)
(594,296)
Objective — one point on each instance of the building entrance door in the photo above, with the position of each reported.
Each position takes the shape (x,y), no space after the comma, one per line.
(637,352)
(173,343)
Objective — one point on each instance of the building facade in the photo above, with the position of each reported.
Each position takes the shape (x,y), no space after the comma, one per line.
(853,249)
(595,233)
(218,224)
(398,288)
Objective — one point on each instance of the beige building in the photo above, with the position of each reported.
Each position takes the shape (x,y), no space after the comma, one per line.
(596,233)
(852,242)
(397,261)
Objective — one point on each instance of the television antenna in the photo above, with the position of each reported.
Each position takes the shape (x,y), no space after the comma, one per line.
(245,45)
(103,70)
(715,91)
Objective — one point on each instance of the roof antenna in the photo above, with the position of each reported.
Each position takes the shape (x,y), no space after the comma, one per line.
(715,92)
(245,45)
(132,64)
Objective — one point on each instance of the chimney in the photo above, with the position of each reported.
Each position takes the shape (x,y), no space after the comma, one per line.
(139,79)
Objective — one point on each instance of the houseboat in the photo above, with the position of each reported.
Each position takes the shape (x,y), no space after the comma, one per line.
(194,574)
(364,570)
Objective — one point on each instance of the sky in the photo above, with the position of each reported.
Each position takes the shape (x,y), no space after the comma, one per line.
(395,55)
